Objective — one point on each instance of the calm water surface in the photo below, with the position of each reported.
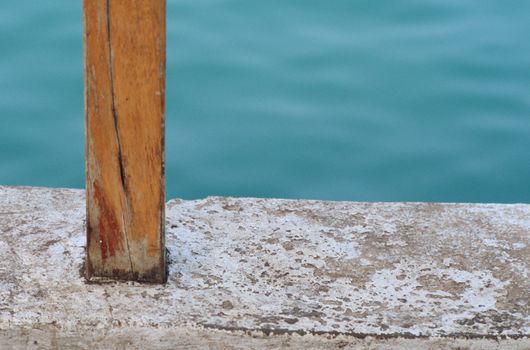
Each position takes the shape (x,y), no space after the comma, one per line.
(416,100)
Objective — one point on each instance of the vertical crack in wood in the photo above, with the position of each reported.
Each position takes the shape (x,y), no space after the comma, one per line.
(118,141)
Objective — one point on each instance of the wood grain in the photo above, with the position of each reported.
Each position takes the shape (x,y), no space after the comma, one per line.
(124,105)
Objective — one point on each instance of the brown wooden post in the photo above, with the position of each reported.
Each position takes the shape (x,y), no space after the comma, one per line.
(125,43)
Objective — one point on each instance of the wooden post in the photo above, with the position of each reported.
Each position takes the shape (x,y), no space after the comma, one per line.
(124,105)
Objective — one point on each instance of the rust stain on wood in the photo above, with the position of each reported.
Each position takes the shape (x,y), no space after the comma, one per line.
(124,99)
(106,227)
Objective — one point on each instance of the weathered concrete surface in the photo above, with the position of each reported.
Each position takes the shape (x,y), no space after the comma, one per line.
(264,273)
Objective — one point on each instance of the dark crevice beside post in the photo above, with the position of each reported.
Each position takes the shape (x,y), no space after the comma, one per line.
(125,53)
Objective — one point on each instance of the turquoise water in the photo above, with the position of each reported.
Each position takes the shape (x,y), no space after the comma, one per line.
(425,100)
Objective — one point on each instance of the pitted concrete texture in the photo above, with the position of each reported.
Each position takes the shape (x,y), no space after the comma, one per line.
(268,273)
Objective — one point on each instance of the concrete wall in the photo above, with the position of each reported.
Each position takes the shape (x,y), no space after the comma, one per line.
(268,273)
